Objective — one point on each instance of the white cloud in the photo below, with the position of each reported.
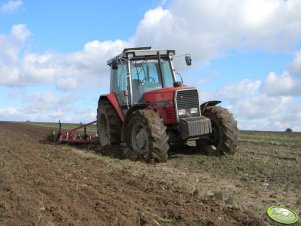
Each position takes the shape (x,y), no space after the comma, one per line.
(208,28)
(85,68)
(232,93)
(11,114)
(47,106)
(11,6)
(66,83)
(12,44)
(204,28)
(261,106)
(242,89)
(254,109)
(288,83)
(282,85)
(40,101)
(295,66)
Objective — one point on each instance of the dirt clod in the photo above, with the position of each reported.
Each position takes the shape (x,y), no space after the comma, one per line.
(218,196)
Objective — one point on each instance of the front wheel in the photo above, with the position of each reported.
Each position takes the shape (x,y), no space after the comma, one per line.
(147,136)
(224,137)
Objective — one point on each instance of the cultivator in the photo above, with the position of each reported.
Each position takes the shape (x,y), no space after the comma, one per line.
(75,136)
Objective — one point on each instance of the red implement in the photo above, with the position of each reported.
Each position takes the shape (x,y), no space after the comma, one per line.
(77,138)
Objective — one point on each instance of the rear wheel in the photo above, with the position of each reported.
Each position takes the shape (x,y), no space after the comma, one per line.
(108,124)
(224,137)
(147,136)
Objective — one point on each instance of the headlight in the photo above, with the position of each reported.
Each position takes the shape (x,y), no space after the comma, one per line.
(193,110)
(182,112)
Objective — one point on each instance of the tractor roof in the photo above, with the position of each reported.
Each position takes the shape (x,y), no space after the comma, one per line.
(142,52)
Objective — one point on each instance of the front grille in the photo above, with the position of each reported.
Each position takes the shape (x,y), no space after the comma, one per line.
(187,99)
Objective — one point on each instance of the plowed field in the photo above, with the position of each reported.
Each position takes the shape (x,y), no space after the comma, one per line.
(42,183)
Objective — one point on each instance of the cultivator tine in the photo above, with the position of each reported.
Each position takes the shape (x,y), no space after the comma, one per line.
(60,127)
(57,138)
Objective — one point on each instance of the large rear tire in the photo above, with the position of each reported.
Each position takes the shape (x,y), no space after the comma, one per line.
(147,136)
(224,137)
(108,124)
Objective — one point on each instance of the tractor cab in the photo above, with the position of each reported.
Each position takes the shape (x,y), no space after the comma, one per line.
(139,70)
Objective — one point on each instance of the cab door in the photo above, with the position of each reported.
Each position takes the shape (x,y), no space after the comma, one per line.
(119,86)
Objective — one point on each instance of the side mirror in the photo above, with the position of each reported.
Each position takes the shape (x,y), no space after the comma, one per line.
(188,59)
(114,64)
(177,84)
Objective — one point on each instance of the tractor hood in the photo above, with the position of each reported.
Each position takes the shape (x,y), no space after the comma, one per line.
(164,94)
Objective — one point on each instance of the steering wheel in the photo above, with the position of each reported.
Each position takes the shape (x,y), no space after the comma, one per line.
(150,80)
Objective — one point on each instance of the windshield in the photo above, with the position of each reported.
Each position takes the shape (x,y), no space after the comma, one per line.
(146,76)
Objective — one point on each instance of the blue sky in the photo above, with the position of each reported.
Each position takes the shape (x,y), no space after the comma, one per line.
(53,55)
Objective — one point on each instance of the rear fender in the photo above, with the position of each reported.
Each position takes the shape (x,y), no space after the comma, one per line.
(113,100)
(208,104)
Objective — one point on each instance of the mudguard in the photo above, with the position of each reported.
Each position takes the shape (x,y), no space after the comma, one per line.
(113,100)
(208,104)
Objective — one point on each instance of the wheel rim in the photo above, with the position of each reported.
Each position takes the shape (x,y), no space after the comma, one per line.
(140,140)
(104,135)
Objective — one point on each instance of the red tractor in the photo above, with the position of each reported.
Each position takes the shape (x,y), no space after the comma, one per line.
(149,110)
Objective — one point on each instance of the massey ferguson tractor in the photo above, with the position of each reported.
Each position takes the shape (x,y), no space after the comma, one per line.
(149,110)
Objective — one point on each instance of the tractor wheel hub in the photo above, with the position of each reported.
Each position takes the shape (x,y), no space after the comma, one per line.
(141,139)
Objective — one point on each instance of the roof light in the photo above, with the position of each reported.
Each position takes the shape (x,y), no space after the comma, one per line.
(130,55)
